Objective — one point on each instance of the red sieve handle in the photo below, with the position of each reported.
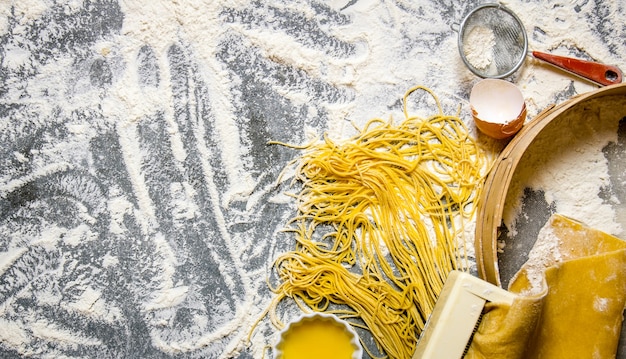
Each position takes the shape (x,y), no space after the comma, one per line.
(599,73)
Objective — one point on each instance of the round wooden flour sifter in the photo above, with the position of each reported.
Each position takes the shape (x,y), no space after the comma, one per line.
(491,205)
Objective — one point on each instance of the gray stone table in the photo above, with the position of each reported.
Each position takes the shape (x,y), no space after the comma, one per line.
(140,205)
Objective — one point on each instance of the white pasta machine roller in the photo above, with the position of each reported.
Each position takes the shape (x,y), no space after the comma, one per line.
(456,315)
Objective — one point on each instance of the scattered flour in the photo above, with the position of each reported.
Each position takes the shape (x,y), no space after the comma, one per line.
(12,333)
(45,330)
(544,254)
(601,304)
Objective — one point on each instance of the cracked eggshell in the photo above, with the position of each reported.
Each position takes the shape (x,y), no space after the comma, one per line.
(498,108)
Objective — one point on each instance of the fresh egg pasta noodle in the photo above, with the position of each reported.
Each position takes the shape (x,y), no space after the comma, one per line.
(378,224)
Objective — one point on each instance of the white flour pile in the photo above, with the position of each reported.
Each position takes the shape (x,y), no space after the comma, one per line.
(99,95)
(479,48)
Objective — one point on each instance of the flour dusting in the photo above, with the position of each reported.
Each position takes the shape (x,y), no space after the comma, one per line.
(545,253)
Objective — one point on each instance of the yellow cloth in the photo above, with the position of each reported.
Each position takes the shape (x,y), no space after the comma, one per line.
(576,314)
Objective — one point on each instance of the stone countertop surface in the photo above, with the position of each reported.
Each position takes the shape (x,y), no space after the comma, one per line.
(140,207)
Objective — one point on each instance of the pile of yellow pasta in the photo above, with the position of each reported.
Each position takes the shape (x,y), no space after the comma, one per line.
(378,224)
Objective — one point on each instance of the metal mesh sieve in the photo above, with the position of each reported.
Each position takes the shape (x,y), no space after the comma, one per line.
(492,41)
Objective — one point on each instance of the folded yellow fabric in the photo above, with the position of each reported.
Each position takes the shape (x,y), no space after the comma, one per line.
(569,305)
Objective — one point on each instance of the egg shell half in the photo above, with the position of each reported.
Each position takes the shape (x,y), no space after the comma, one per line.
(498,108)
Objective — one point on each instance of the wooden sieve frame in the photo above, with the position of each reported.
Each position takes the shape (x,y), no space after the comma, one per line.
(491,203)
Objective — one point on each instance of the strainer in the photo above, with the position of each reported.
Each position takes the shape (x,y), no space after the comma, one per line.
(493,44)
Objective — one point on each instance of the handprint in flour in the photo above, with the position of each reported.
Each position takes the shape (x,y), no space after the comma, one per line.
(146,232)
